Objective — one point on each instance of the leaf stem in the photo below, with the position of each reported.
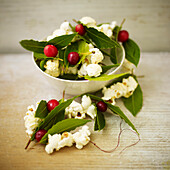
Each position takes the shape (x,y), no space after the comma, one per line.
(75,21)
(122,23)
(73,29)
(63,94)
(141,76)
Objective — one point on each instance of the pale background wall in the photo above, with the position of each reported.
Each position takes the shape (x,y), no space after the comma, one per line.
(148,21)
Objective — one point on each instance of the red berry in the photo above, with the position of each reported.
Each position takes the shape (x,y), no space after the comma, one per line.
(101,106)
(80,29)
(52,104)
(50,51)
(123,36)
(40,133)
(73,58)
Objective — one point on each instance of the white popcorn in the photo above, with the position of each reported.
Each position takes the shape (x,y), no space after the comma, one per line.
(96,56)
(91,67)
(58,141)
(66,140)
(86,102)
(131,85)
(92,111)
(119,90)
(52,68)
(65,26)
(50,37)
(124,89)
(59,32)
(64,30)
(30,121)
(127,66)
(94,70)
(108,93)
(90,46)
(88,21)
(79,111)
(75,110)
(81,137)
(53,143)
(113,24)
(106,29)
(83,70)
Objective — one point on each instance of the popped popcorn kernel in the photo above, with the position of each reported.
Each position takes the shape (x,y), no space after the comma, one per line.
(88,21)
(124,89)
(52,68)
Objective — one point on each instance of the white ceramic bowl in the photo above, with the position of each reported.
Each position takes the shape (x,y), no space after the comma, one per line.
(76,87)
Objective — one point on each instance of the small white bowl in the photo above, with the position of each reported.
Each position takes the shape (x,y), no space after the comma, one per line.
(76,87)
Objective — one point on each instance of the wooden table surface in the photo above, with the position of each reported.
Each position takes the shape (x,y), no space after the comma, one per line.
(21,85)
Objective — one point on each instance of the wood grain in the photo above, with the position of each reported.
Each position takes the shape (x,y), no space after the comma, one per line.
(148,21)
(21,85)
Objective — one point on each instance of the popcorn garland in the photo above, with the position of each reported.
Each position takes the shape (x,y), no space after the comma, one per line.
(79,111)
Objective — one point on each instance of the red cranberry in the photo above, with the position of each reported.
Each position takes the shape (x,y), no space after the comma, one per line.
(123,36)
(101,106)
(50,51)
(40,133)
(73,58)
(52,104)
(80,29)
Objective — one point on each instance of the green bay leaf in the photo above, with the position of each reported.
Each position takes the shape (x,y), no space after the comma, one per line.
(108,67)
(42,110)
(113,55)
(116,32)
(132,51)
(113,51)
(34,46)
(135,102)
(62,41)
(41,56)
(64,126)
(99,121)
(100,39)
(60,116)
(83,47)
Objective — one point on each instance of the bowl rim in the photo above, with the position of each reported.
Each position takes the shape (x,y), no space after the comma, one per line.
(80,81)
